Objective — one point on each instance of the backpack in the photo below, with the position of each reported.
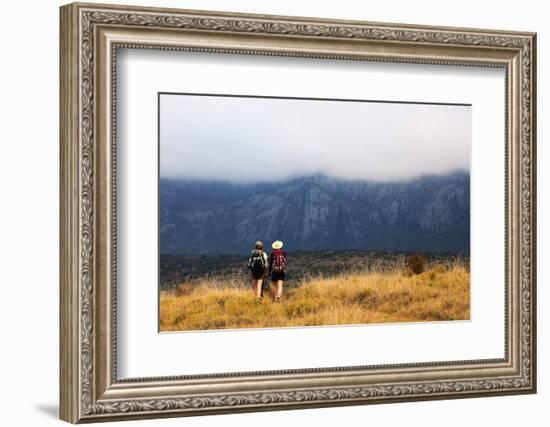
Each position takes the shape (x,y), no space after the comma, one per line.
(279,262)
(257,262)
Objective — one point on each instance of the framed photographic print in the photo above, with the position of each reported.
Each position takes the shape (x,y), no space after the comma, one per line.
(345,211)
(366,223)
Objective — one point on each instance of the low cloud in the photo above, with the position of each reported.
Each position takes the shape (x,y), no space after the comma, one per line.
(255,139)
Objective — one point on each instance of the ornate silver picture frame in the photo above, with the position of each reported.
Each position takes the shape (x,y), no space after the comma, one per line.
(91,35)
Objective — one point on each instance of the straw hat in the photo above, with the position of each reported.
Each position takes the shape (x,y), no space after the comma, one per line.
(277,244)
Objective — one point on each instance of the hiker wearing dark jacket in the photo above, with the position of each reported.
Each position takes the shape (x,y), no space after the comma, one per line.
(257,263)
(277,269)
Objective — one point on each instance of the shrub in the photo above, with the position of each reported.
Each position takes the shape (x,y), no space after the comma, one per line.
(440,269)
(416,264)
(183,289)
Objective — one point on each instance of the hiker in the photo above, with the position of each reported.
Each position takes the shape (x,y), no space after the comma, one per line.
(277,269)
(257,263)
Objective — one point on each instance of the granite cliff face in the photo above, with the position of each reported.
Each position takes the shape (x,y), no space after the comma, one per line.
(316,212)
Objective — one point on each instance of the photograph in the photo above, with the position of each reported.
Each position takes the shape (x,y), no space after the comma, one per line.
(298,212)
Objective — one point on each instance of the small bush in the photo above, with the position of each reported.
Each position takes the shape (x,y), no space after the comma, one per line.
(416,264)
(183,289)
(440,269)
(362,297)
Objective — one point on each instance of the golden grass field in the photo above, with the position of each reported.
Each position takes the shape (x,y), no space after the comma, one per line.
(440,293)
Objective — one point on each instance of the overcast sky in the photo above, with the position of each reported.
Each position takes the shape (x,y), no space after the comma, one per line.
(254,139)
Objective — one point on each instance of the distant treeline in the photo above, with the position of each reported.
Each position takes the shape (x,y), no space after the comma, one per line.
(176,269)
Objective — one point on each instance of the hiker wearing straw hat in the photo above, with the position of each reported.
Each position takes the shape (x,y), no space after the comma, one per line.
(257,263)
(277,269)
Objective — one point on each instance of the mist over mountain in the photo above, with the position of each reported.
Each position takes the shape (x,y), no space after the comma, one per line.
(316,212)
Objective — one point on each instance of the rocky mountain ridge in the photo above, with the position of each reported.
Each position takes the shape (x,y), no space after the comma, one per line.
(316,212)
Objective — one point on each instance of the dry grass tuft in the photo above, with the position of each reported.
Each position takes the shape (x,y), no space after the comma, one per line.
(439,293)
